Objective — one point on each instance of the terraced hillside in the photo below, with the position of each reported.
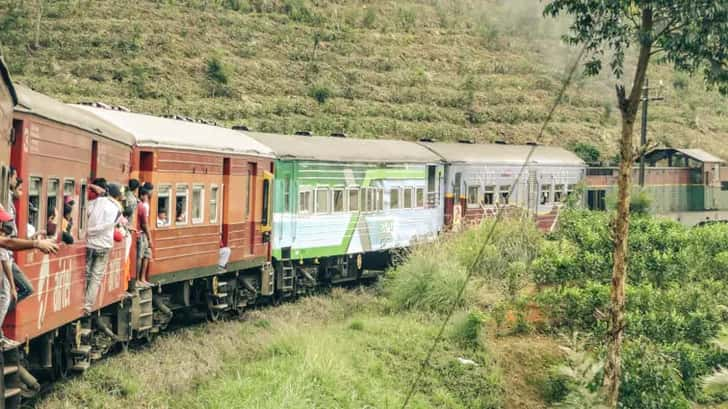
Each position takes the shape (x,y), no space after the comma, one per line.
(449,69)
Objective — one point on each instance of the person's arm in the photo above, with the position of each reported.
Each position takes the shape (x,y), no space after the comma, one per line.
(46,246)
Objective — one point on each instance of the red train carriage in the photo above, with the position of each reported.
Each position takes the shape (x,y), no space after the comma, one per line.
(56,149)
(8,99)
(213,185)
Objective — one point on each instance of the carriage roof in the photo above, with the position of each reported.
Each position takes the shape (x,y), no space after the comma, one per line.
(499,154)
(153,131)
(5,75)
(35,103)
(341,149)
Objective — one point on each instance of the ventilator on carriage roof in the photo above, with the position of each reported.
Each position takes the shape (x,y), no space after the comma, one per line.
(158,132)
(43,106)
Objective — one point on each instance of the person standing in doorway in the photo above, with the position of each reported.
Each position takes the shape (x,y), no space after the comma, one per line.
(20,280)
(102,215)
(144,243)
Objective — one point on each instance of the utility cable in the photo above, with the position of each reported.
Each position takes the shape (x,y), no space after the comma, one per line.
(489,235)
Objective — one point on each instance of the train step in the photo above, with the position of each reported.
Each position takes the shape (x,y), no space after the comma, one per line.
(12,392)
(10,369)
(145,314)
(84,332)
(81,366)
(219,307)
(221,295)
(82,350)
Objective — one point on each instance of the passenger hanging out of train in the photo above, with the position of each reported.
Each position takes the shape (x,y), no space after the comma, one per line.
(22,283)
(8,244)
(144,242)
(102,216)
(130,196)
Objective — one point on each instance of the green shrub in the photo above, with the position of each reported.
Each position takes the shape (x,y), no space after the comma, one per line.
(370,17)
(426,280)
(650,378)
(216,71)
(557,263)
(586,151)
(320,93)
(467,328)
(356,325)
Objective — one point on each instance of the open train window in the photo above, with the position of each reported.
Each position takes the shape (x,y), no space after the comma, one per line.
(323,200)
(198,204)
(489,195)
(353,199)
(163,205)
(473,196)
(368,198)
(456,184)
(339,200)
(505,194)
(34,188)
(380,199)
(408,199)
(558,193)
(181,196)
(545,194)
(52,218)
(213,203)
(394,202)
(420,197)
(305,201)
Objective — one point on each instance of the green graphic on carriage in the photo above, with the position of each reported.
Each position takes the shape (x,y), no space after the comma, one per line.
(311,234)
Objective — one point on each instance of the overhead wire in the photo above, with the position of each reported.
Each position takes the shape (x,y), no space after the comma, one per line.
(489,235)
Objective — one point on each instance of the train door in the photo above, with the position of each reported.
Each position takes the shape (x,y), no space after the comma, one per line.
(252,184)
(226,169)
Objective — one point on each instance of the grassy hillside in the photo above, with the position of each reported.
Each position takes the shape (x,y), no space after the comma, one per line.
(450,69)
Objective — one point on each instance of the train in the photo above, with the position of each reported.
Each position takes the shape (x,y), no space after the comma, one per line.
(295,212)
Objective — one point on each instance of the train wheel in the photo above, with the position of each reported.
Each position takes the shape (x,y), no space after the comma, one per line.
(214,312)
(62,358)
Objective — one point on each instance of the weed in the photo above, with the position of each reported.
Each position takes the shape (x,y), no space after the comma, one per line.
(467,328)
(356,325)
(320,93)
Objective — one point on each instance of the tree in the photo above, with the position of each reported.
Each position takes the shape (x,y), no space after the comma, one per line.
(586,151)
(692,36)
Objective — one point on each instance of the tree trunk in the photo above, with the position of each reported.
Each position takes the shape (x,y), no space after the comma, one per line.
(628,108)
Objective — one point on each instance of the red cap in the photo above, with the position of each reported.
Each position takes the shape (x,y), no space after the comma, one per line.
(5,216)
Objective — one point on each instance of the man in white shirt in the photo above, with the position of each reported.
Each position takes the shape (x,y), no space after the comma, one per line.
(102,215)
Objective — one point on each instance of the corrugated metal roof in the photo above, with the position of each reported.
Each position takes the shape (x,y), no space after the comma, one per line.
(503,154)
(35,103)
(160,132)
(699,154)
(336,149)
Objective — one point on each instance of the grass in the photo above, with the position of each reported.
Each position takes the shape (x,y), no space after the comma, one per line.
(337,351)
(449,69)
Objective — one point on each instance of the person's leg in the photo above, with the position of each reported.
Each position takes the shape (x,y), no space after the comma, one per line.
(4,301)
(25,288)
(99,260)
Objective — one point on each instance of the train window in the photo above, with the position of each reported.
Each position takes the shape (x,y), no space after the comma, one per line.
(394,202)
(456,184)
(368,197)
(558,193)
(323,200)
(723,185)
(213,204)
(569,190)
(545,194)
(408,198)
(489,195)
(34,188)
(380,199)
(505,194)
(304,201)
(286,194)
(420,196)
(163,205)
(181,196)
(353,199)
(339,200)
(473,196)
(198,204)
(52,207)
